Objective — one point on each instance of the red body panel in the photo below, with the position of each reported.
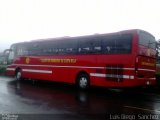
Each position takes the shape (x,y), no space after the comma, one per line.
(67,72)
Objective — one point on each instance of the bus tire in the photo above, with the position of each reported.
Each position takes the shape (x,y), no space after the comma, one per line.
(18,74)
(83,81)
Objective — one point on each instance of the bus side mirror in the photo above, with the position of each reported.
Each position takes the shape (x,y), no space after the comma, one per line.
(6,53)
(7,50)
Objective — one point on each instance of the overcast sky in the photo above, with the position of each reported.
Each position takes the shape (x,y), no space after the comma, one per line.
(23,20)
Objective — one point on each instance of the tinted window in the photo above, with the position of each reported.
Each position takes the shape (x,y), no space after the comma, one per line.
(124,44)
(89,45)
(49,48)
(67,47)
(116,44)
(22,49)
(53,47)
(34,48)
(147,40)
(109,44)
(97,45)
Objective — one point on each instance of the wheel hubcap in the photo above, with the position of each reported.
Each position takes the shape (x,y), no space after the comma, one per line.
(83,82)
(18,75)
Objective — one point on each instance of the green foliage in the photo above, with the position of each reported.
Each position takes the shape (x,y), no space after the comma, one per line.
(158,79)
(158,74)
(2,69)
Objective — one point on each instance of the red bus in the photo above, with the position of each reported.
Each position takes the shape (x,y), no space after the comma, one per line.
(121,59)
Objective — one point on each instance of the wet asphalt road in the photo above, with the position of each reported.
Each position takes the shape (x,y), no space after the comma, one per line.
(48,100)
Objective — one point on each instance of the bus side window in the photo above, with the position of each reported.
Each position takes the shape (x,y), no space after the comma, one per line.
(97,49)
(84,46)
(69,47)
(35,49)
(108,45)
(89,46)
(54,51)
(117,44)
(96,44)
(48,48)
(123,44)
(70,50)
(22,50)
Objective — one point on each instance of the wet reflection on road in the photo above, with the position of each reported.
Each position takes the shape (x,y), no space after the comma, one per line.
(56,98)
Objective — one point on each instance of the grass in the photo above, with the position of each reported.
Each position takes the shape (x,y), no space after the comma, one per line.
(2,69)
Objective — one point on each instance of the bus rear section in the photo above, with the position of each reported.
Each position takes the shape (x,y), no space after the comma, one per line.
(145,70)
(145,66)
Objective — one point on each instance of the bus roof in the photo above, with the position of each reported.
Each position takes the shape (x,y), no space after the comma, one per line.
(93,35)
(84,36)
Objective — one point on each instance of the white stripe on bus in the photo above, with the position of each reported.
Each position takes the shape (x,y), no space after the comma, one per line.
(10,69)
(91,74)
(37,71)
(112,75)
(152,78)
(146,69)
(73,66)
(59,66)
(120,68)
(79,67)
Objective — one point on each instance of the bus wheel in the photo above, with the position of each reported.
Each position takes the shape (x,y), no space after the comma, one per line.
(83,81)
(19,75)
